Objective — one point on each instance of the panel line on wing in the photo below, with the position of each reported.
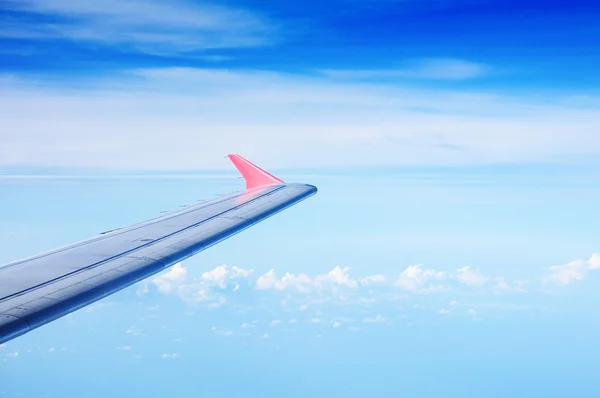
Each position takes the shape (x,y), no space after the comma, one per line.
(24,291)
(123,230)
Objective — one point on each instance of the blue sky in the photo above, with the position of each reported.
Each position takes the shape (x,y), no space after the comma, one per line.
(450,251)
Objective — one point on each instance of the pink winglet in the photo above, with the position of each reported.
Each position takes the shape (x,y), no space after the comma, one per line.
(255,176)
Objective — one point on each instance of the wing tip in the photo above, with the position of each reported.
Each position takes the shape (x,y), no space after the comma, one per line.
(255,176)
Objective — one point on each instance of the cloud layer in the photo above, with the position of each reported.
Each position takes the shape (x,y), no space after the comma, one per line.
(284,120)
(214,287)
(573,271)
(146,25)
(437,69)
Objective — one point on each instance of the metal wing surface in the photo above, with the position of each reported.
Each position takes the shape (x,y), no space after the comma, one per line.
(37,290)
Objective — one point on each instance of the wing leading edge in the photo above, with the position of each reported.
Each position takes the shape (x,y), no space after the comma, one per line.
(40,289)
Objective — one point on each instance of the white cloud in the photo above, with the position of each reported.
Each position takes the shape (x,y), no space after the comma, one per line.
(373,280)
(288,121)
(124,348)
(267,281)
(13,354)
(336,324)
(217,276)
(99,305)
(377,319)
(450,69)
(215,301)
(168,281)
(440,69)
(220,275)
(501,285)
(202,289)
(566,274)
(443,311)
(134,331)
(470,277)
(299,282)
(170,355)
(414,278)
(337,276)
(214,288)
(573,271)
(146,25)
(142,288)
(594,261)
(471,311)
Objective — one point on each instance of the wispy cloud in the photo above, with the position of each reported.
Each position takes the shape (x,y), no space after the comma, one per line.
(12,355)
(170,280)
(146,25)
(438,69)
(470,277)
(571,272)
(285,120)
(133,331)
(376,319)
(222,332)
(170,355)
(377,279)
(100,305)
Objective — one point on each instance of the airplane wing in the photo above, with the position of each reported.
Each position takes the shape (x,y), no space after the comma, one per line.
(40,289)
